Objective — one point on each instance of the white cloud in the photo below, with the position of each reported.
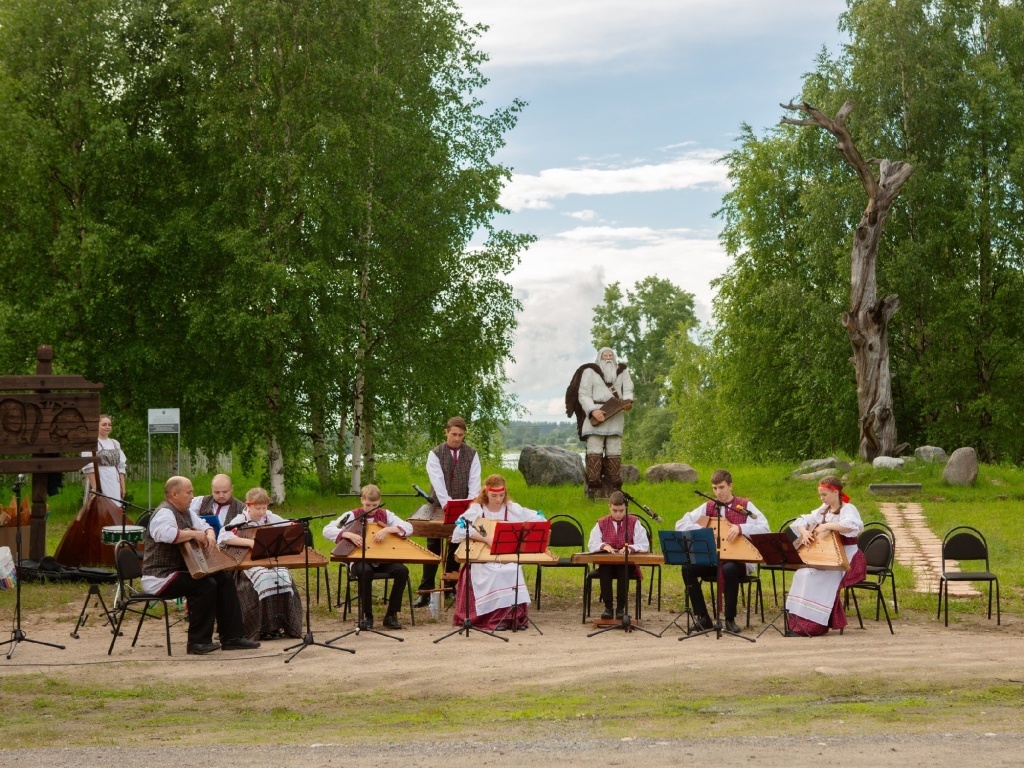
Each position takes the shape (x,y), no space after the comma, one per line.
(694,169)
(562,278)
(584,215)
(542,32)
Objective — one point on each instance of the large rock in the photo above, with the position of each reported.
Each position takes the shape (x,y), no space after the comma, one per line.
(550,465)
(674,472)
(930,453)
(630,473)
(887,462)
(815,475)
(812,467)
(962,467)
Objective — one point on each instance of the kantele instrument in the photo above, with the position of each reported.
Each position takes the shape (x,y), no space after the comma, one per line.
(392,549)
(739,549)
(607,558)
(480,552)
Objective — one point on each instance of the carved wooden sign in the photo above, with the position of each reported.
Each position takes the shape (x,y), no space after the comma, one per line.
(53,423)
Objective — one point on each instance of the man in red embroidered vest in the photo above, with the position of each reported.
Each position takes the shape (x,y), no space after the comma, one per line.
(164,573)
(454,471)
(613,533)
(725,506)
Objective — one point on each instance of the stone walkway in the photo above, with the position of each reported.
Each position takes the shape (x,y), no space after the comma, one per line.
(921,550)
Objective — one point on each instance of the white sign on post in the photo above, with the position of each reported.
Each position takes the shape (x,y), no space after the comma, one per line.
(162,421)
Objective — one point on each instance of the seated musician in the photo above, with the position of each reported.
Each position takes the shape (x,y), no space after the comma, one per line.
(221,501)
(164,572)
(813,603)
(614,533)
(349,526)
(268,597)
(493,602)
(732,571)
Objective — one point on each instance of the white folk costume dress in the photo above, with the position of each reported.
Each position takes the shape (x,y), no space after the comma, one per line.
(112,464)
(397,572)
(493,589)
(732,571)
(268,597)
(813,603)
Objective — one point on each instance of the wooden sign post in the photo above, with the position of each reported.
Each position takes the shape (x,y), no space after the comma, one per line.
(42,417)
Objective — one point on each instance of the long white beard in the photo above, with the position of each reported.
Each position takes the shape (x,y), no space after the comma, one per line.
(608,371)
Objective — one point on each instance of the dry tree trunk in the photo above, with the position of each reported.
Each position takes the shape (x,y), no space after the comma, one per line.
(867,321)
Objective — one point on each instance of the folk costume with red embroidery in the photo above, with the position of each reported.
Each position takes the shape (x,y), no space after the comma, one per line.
(613,533)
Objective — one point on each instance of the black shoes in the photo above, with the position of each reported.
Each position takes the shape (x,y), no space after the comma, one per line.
(201,649)
(422,601)
(732,626)
(366,622)
(702,622)
(240,644)
(391,622)
(607,613)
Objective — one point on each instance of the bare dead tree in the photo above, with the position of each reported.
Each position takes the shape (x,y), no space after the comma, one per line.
(867,321)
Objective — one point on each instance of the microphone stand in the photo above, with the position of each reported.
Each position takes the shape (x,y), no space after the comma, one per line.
(17,634)
(719,578)
(366,573)
(467,623)
(626,624)
(307,638)
(650,512)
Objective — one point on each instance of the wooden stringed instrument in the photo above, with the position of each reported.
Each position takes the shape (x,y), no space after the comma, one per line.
(739,549)
(826,553)
(480,552)
(393,549)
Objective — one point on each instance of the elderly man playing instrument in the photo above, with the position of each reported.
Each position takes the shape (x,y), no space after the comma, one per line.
(164,572)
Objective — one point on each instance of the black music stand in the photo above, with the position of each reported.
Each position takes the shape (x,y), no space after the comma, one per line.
(307,637)
(361,624)
(17,634)
(687,549)
(528,538)
(626,623)
(778,549)
(467,623)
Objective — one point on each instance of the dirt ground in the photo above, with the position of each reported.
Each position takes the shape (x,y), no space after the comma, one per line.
(922,650)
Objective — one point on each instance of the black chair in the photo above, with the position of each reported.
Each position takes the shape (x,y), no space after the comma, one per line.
(773,569)
(869,532)
(374,577)
(878,552)
(654,568)
(965,543)
(567,532)
(128,565)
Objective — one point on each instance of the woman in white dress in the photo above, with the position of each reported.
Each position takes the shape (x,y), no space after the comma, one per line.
(495,603)
(111,462)
(813,604)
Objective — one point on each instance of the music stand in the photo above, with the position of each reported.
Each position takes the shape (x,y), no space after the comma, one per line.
(688,549)
(17,634)
(307,637)
(467,623)
(777,549)
(272,541)
(529,538)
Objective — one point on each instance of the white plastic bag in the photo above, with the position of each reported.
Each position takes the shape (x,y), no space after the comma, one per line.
(8,572)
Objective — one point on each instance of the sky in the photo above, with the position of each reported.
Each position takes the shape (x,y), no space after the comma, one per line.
(630,104)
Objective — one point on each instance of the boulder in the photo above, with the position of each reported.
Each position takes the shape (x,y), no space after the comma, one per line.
(962,467)
(887,462)
(550,465)
(931,453)
(675,472)
(815,475)
(630,473)
(812,467)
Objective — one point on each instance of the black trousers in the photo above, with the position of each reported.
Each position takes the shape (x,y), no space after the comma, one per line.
(364,572)
(617,573)
(429,578)
(732,572)
(211,598)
